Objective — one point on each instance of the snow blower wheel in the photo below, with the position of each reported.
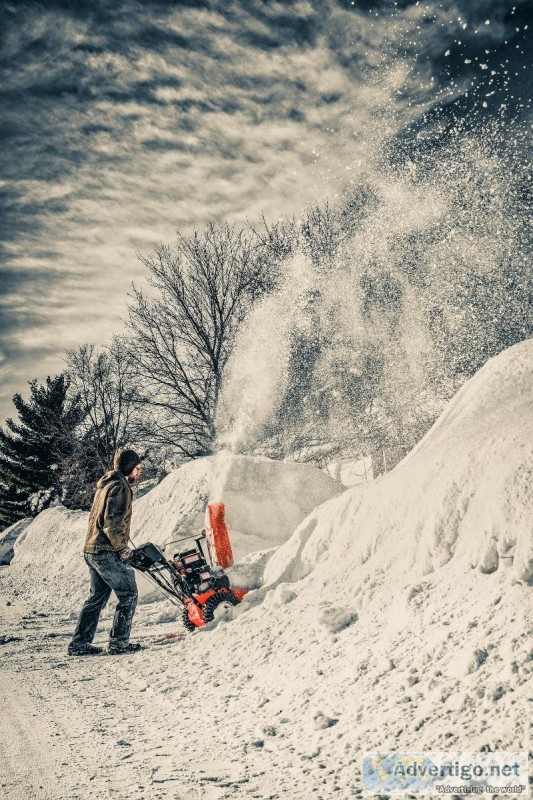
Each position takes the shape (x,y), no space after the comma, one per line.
(217,535)
(214,602)
(190,626)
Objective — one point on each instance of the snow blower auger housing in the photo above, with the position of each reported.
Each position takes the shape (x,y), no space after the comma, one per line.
(191,579)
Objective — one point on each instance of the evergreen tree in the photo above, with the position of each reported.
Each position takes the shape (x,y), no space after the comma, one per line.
(35,451)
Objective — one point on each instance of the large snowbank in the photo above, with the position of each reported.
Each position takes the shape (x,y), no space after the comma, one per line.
(462,496)
(265,501)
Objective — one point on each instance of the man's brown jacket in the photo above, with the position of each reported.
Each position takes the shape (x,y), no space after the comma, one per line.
(110,517)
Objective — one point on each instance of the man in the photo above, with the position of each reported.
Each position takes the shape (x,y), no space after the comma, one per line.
(106,553)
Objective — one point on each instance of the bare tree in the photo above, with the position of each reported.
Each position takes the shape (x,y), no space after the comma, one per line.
(320,231)
(183,333)
(280,239)
(107,382)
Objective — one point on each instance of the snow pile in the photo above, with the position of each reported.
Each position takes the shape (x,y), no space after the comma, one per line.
(462,497)
(265,501)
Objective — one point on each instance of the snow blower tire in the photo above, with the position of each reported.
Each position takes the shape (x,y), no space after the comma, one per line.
(212,604)
(190,626)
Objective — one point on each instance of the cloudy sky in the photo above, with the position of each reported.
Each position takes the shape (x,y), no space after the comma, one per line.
(122,121)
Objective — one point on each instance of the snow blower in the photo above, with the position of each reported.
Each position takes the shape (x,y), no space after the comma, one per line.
(193,578)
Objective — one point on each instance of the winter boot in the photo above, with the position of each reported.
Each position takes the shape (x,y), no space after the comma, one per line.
(119,649)
(88,650)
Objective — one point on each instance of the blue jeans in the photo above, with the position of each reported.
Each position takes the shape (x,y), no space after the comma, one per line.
(108,573)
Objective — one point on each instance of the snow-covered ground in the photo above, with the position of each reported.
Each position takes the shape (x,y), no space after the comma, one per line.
(397,616)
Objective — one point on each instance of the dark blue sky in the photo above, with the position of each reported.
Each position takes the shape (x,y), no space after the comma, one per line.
(123,121)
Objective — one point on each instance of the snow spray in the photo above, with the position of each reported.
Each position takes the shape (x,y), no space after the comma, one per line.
(444,214)
(434,226)
(257,372)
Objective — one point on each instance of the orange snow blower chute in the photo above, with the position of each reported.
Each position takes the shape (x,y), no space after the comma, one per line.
(190,579)
(218,541)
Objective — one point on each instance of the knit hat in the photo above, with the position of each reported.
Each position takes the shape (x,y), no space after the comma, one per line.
(125,461)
